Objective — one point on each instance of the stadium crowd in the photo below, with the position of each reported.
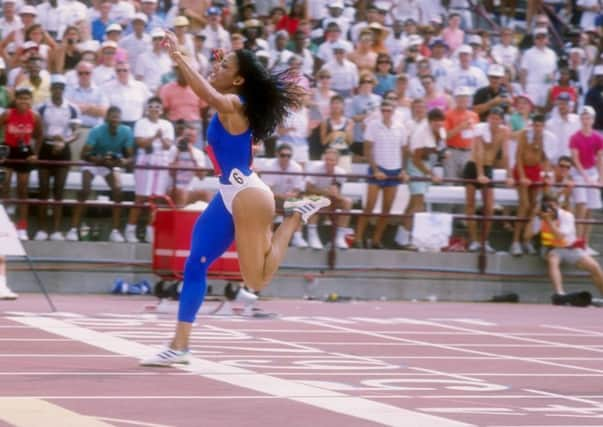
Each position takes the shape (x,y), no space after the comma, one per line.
(416,91)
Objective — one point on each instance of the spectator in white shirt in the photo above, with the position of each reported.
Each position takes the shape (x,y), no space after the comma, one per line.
(326,51)
(590,10)
(505,52)
(216,37)
(122,12)
(466,75)
(344,73)
(153,138)
(285,186)
(138,41)
(153,63)
(385,141)
(294,131)
(10,21)
(537,68)
(335,14)
(328,186)
(105,71)
(128,93)
(49,17)
(186,183)
(562,125)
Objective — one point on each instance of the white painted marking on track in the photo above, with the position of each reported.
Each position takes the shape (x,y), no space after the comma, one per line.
(130,422)
(335,402)
(28,412)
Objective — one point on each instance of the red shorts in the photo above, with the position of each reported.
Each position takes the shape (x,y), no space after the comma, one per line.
(531,172)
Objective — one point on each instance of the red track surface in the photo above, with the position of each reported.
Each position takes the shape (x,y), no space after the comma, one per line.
(478,364)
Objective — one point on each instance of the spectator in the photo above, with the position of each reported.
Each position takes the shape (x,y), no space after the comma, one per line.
(10,21)
(36,79)
(506,53)
(252,30)
(530,162)
(67,54)
(59,120)
(465,74)
(386,80)
(154,138)
(199,56)
(300,47)
(559,245)
(154,20)
(425,147)
(129,93)
(586,147)
(285,186)
(153,63)
(408,62)
(563,86)
(493,95)
(434,97)
(322,93)
(453,35)
(105,71)
(138,41)
(385,144)
(180,102)
(363,56)
(23,135)
(188,156)
(336,132)
(326,51)
(279,57)
(113,34)
(344,73)
(216,37)
(439,63)
(328,186)
(459,132)
(359,109)
(100,24)
(394,41)
(490,138)
(335,14)
(295,131)
(109,148)
(89,100)
(562,125)
(538,65)
(562,183)
(594,97)
(522,116)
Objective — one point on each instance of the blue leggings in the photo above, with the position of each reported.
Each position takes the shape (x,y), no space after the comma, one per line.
(212,235)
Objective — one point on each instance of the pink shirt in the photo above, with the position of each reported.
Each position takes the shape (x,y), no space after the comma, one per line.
(453,38)
(588,147)
(180,102)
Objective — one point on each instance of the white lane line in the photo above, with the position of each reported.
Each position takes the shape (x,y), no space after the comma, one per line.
(584,332)
(130,422)
(587,401)
(28,412)
(321,398)
(43,355)
(455,348)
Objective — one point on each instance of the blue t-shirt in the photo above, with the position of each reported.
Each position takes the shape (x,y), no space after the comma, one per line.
(385,83)
(103,142)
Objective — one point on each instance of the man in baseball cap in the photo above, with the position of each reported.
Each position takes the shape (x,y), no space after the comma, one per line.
(493,95)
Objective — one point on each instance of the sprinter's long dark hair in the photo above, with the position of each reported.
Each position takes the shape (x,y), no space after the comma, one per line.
(267,97)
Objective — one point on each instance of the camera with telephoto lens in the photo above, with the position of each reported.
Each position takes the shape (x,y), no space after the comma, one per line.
(23,147)
(183,144)
(547,207)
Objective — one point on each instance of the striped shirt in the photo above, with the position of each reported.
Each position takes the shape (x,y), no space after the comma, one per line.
(387,143)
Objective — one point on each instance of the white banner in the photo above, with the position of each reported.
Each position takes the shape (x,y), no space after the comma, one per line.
(9,242)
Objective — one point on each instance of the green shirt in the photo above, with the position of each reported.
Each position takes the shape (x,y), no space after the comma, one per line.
(103,142)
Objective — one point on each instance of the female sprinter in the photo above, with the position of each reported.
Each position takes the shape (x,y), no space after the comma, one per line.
(250,103)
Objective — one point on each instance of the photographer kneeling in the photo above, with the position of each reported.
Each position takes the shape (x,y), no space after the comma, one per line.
(558,238)
(188,156)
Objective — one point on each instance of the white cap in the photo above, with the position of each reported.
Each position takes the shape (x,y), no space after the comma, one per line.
(336,3)
(540,30)
(149,1)
(28,10)
(465,48)
(58,79)
(157,32)
(475,39)
(587,109)
(577,50)
(262,54)
(113,27)
(109,44)
(496,70)
(89,46)
(29,45)
(463,91)
(598,70)
(338,45)
(139,16)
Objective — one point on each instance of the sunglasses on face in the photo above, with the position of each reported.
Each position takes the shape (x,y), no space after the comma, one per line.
(122,70)
(564,166)
(387,110)
(366,82)
(383,62)
(84,73)
(285,155)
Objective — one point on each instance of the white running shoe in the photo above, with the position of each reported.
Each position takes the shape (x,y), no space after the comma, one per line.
(516,249)
(7,294)
(489,249)
(590,251)
(130,236)
(245,297)
(306,206)
(116,236)
(149,234)
(167,357)
(340,243)
(57,236)
(41,235)
(474,246)
(298,241)
(22,234)
(72,235)
(314,241)
(529,248)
